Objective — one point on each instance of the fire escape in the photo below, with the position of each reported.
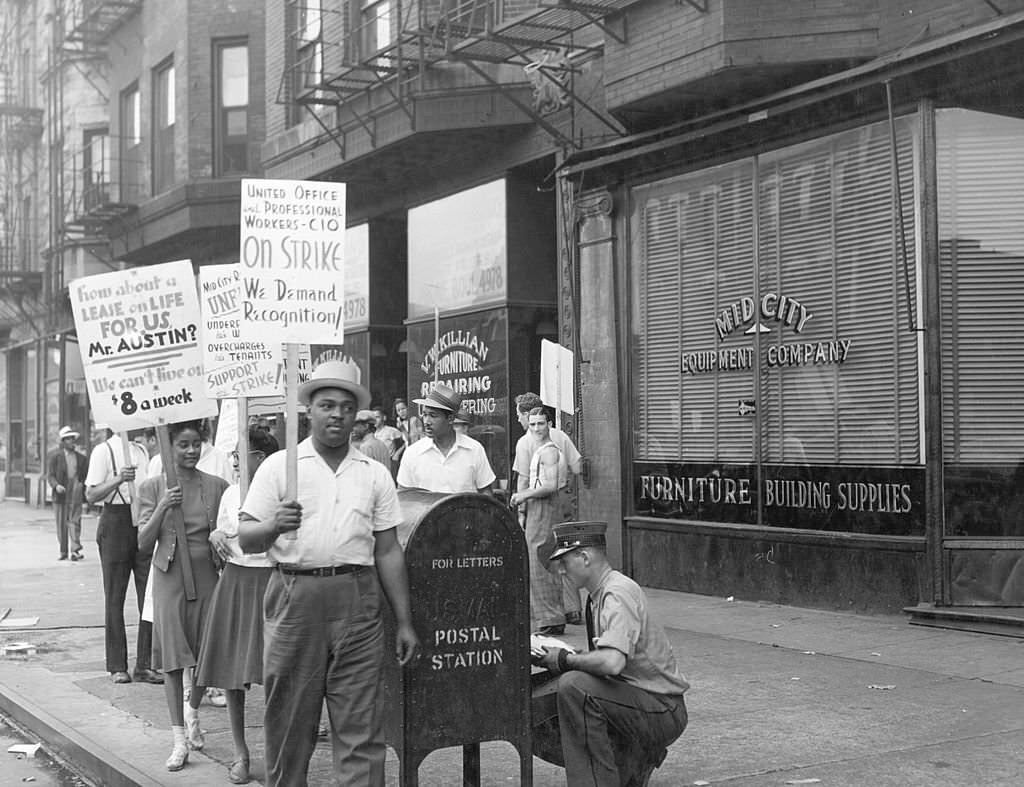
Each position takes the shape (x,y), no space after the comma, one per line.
(98,176)
(21,126)
(370,58)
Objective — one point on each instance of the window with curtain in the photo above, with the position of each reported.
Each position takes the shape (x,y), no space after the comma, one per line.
(130,145)
(776,370)
(163,126)
(231,98)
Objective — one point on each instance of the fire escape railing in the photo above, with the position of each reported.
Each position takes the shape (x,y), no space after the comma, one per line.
(390,52)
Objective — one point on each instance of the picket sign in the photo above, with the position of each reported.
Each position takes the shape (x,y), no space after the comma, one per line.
(292,279)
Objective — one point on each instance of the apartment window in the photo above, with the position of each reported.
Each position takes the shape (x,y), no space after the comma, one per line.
(231,116)
(310,53)
(130,145)
(163,127)
(95,168)
(375,24)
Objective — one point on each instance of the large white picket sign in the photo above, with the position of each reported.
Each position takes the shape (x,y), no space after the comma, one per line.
(292,254)
(139,334)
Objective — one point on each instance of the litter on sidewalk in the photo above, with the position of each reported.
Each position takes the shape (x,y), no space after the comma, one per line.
(18,649)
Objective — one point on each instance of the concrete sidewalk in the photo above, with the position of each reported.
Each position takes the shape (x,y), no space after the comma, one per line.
(780,694)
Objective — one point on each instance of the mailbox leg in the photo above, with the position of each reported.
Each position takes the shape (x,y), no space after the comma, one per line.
(471,765)
(525,763)
(409,768)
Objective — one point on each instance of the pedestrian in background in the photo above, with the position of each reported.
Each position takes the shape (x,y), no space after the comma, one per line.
(108,482)
(231,648)
(365,440)
(334,548)
(176,519)
(548,473)
(66,471)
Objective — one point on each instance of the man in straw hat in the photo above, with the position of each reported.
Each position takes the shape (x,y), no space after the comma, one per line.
(447,461)
(66,471)
(621,703)
(323,635)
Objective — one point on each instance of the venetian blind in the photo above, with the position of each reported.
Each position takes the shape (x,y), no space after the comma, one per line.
(827,235)
(696,242)
(980,167)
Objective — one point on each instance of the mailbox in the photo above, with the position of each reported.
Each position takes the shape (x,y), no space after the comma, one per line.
(469,592)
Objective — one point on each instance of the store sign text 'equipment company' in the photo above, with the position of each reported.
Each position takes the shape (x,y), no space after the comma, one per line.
(777,308)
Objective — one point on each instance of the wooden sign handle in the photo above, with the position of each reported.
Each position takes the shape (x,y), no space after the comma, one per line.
(291,427)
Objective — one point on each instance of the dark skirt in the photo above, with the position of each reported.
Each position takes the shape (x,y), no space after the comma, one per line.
(177,622)
(231,656)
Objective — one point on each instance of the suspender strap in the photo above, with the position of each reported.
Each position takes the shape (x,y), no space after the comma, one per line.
(113,466)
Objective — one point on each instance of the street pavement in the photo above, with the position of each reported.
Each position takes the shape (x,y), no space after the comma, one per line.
(781,695)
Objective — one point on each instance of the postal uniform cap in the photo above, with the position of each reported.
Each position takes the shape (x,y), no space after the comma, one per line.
(573,535)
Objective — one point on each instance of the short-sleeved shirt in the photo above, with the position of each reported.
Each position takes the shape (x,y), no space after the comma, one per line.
(375,449)
(341,510)
(227,523)
(106,462)
(526,446)
(465,469)
(622,622)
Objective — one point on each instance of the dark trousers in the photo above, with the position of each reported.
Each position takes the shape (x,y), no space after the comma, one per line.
(611,729)
(120,558)
(68,516)
(323,640)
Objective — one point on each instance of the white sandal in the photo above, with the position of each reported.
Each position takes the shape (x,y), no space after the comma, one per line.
(178,758)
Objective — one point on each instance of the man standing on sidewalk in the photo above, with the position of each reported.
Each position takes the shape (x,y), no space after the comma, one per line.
(445,461)
(525,448)
(66,471)
(621,703)
(108,482)
(333,548)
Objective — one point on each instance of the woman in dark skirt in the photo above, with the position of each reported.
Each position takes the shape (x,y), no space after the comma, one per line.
(231,655)
(168,516)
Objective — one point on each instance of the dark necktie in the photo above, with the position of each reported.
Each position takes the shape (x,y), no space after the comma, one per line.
(590,623)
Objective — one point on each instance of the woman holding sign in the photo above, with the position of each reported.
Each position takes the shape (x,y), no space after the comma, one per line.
(179,519)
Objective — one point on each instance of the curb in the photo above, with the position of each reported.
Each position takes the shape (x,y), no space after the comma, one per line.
(95,762)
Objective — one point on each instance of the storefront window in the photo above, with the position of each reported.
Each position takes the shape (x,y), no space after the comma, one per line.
(458,251)
(980,167)
(776,366)
(468,353)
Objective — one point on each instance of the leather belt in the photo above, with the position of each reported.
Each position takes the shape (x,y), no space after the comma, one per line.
(327,571)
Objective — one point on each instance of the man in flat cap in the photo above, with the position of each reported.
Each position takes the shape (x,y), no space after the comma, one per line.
(447,461)
(365,439)
(66,471)
(621,703)
(323,634)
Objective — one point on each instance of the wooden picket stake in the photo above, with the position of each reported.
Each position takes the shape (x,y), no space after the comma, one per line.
(242,448)
(291,427)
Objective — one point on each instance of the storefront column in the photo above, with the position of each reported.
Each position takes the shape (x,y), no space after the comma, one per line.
(598,364)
